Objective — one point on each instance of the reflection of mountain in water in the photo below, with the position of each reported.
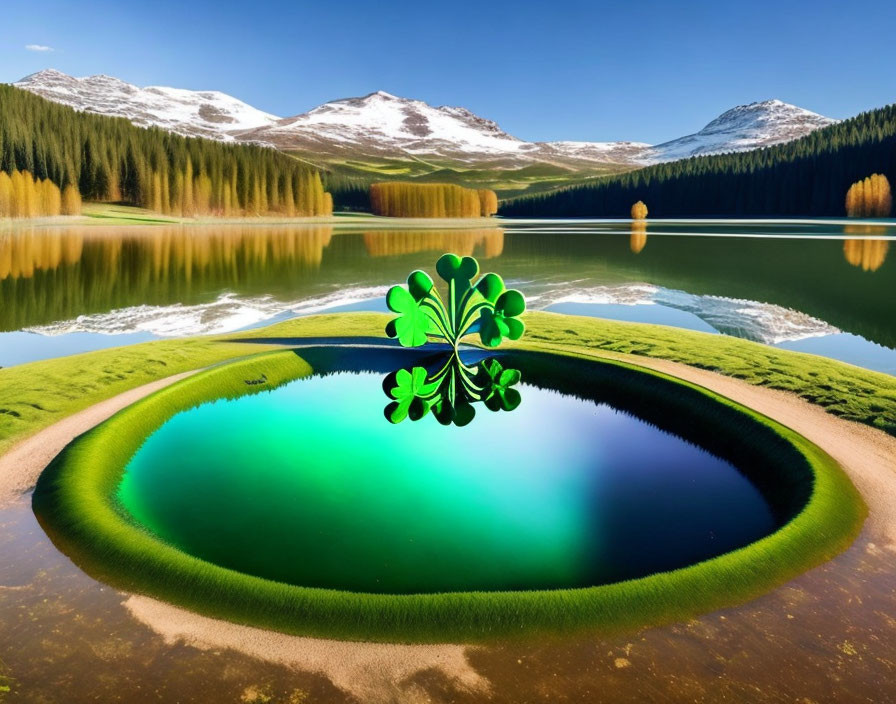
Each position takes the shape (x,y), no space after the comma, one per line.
(760,322)
(485,243)
(637,240)
(180,280)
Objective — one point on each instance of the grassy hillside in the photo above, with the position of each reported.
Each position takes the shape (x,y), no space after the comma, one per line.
(348,180)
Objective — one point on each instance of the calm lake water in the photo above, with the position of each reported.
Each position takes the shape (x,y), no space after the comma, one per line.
(310,484)
(825,287)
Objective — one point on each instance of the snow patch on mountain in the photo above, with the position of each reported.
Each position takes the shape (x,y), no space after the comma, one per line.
(381,122)
(193,113)
(742,128)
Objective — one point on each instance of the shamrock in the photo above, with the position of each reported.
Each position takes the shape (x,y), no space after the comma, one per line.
(487,308)
(454,269)
(497,382)
(411,392)
(414,321)
(447,410)
(494,325)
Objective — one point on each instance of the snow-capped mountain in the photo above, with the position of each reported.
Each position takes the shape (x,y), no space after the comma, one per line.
(193,113)
(741,129)
(385,126)
(381,124)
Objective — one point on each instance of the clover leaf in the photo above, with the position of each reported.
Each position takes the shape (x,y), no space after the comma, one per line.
(490,287)
(459,270)
(448,410)
(419,285)
(413,323)
(497,382)
(502,321)
(411,391)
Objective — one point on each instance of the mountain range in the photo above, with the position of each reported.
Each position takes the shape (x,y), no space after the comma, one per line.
(385,134)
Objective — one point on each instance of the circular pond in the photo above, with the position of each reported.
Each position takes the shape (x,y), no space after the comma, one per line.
(310,485)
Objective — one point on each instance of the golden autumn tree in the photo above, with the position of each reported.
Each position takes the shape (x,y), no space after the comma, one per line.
(870,198)
(639,211)
(488,202)
(50,198)
(424,200)
(6,195)
(71,201)
(23,196)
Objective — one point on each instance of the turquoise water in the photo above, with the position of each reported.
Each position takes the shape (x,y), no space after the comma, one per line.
(309,484)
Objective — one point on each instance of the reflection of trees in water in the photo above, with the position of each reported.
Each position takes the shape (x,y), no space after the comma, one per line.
(24,252)
(384,243)
(637,240)
(52,274)
(55,274)
(160,251)
(868,255)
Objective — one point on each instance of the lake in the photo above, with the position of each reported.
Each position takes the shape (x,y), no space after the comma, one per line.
(309,484)
(818,286)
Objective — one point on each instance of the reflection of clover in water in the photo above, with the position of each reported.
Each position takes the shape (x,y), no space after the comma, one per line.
(451,391)
(487,307)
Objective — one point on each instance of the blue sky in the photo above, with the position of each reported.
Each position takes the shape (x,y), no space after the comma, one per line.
(645,71)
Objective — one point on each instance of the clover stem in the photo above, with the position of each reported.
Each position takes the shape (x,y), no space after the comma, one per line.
(468,316)
(468,294)
(435,302)
(437,319)
(441,373)
(469,383)
(452,303)
(452,385)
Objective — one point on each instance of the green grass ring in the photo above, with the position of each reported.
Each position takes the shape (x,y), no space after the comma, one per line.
(74,501)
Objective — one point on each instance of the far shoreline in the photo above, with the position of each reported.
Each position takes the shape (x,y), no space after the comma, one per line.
(110,215)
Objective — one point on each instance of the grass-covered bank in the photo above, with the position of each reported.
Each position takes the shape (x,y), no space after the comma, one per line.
(75,501)
(842,389)
(36,395)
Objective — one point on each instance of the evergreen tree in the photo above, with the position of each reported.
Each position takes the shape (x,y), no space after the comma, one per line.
(109,159)
(807,176)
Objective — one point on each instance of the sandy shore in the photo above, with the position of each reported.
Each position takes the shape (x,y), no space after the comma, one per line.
(22,465)
(370,671)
